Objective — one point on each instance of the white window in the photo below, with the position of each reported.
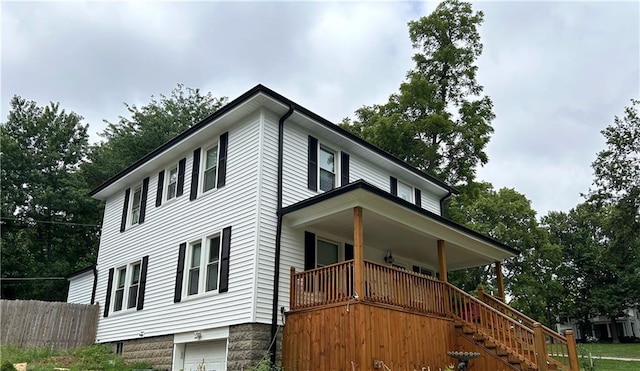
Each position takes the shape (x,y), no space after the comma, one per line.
(326,253)
(135,205)
(121,280)
(134,282)
(210,169)
(327,165)
(172,182)
(204,266)
(127,281)
(405,191)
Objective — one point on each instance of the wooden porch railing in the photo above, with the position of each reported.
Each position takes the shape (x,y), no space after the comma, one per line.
(561,350)
(327,285)
(498,328)
(417,292)
(528,341)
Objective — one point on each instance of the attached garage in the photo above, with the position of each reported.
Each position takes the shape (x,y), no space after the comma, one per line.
(204,356)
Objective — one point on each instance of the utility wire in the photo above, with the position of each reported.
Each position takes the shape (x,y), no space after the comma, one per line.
(31,278)
(50,222)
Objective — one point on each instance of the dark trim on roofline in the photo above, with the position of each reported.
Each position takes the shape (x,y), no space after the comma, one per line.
(361,184)
(287,102)
(81,271)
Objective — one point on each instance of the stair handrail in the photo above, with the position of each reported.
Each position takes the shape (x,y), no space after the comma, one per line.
(522,334)
(555,337)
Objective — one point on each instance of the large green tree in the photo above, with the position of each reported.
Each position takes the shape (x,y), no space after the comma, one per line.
(149,126)
(438,121)
(617,194)
(507,216)
(49,224)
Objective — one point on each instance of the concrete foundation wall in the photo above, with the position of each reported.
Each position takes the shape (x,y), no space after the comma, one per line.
(249,344)
(157,351)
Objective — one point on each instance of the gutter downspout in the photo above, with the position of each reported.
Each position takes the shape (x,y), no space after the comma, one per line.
(95,283)
(276,264)
(442,202)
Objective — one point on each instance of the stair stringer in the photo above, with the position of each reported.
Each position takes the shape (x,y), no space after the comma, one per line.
(492,348)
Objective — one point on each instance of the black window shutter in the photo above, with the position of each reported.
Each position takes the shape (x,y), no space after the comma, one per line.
(418,197)
(195,172)
(224,263)
(143,282)
(160,187)
(222,160)
(107,299)
(312,164)
(125,210)
(416,269)
(309,250)
(344,168)
(393,186)
(177,295)
(348,251)
(143,200)
(180,186)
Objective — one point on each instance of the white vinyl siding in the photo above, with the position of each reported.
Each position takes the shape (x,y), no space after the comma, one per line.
(80,288)
(181,220)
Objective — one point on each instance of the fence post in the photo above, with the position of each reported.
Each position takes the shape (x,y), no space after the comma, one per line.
(540,346)
(571,350)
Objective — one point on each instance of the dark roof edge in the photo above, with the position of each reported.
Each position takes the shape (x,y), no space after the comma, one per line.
(235,103)
(361,184)
(81,271)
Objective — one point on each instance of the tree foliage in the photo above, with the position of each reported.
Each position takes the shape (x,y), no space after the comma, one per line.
(48,221)
(438,121)
(148,127)
(508,217)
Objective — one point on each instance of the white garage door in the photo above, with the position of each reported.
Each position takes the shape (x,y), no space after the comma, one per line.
(205,356)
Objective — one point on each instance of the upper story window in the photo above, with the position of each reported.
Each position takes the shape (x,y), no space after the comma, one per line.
(135,205)
(323,166)
(172,182)
(204,266)
(210,169)
(405,191)
(126,285)
(327,163)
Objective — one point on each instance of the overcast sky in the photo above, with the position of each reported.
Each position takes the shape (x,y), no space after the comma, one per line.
(558,72)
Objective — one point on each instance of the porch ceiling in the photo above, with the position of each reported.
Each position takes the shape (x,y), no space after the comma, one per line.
(391,223)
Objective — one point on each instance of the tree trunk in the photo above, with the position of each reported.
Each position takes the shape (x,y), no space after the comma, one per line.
(614,331)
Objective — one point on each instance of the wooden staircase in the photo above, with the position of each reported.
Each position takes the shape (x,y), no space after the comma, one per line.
(519,342)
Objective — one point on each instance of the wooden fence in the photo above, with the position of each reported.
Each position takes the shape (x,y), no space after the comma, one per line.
(55,325)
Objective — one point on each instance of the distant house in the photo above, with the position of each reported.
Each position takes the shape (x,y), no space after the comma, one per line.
(267,231)
(627,326)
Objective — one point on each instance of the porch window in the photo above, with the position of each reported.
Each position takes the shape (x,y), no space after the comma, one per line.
(326,253)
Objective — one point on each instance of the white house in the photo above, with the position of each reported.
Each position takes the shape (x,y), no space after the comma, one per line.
(627,325)
(199,235)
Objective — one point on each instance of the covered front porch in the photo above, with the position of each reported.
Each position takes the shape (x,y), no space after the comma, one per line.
(376,246)
(374,291)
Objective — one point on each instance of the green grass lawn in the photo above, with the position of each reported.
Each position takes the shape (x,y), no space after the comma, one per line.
(95,357)
(609,365)
(613,350)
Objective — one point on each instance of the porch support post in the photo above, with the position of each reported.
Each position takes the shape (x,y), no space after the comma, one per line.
(572,351)
(442,261)
(540,347)
(500,281)
(358,252)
